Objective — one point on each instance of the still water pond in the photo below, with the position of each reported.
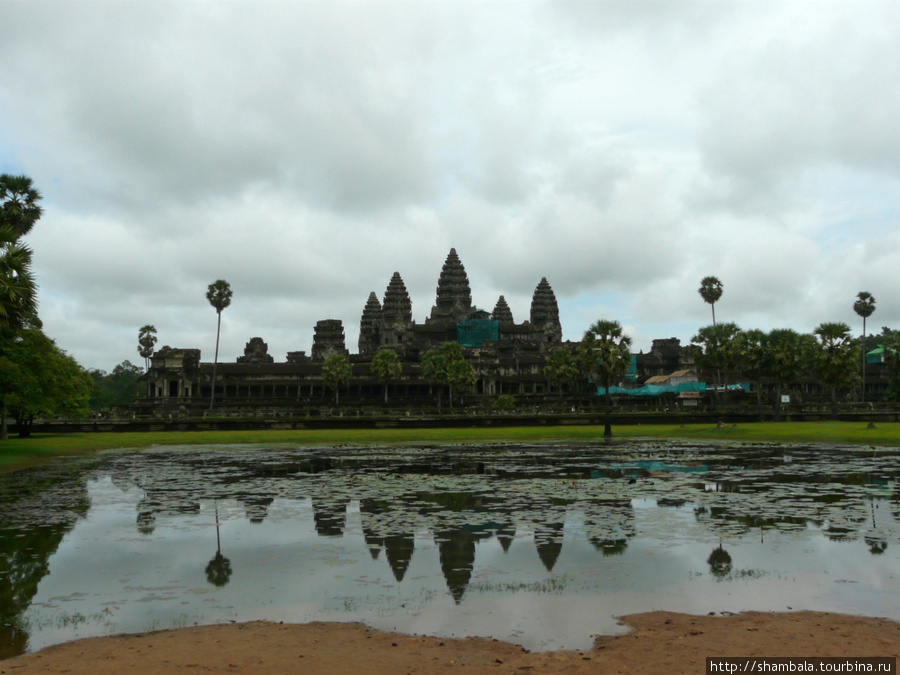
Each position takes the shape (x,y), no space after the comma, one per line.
(542,545)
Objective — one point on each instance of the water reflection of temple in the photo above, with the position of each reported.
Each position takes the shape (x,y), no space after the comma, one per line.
(403,496)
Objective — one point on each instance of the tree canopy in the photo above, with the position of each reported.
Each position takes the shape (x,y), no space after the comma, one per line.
(836,357)
(446,366)
(336,372)
(386,366)
(711,290)
(37,379)
(561,368)
(605,353)
(146,343)
(19,207)
(219,296)
(116,388)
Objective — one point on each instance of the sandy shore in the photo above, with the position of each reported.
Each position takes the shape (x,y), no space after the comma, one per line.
(660,642)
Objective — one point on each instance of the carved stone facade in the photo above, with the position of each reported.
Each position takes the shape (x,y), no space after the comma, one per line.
(328,339)
(508,357)
(256,351)
(452,310)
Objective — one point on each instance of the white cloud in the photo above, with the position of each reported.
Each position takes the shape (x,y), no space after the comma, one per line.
(306,151)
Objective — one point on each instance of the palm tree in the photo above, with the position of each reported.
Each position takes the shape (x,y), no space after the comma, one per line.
(717,350)
(711,290)
(752,353)
(561,368)
(446,366)
(219,296)
(605,353)
(386,367)
(787,353)
(336,371)
(19,206)
(18,291)
(864,306)
(835,360)
(146,342)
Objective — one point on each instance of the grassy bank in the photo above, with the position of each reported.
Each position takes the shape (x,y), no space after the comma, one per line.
(18,453)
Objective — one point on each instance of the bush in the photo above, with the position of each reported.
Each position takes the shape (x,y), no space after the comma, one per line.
(504,402)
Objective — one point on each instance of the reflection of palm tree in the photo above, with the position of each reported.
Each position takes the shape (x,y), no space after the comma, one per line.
(218,571)
(719,562)
(610,546)
(877,545)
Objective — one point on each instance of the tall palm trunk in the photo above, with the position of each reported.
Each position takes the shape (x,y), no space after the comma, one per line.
(862,395)
(212,396)
(607,422)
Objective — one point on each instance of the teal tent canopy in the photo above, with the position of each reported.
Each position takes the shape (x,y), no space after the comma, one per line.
(656,389)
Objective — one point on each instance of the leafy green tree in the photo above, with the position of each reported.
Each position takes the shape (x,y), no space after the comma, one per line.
(751,349)
(219,296)
(716,349)
(19,208)
(505,402)
(605,354)
(864,307)
(711,290)
(561,368)
(835,360)
(460,377)
(446,366)
(336,372)
(37,379)
(146,343)
(891,343)
(386,366)
(116,388)
(788,354)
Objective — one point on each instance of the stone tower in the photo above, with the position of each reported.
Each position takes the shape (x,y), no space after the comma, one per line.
(328,339)
(545,312)
(396,312)
(454,298)
(502,314)
(370,326)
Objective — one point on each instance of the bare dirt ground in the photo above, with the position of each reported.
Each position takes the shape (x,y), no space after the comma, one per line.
(660,642)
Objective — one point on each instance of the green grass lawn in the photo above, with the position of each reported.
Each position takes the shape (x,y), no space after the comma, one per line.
(18,453)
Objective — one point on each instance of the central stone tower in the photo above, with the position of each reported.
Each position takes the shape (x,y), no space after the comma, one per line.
(454,297)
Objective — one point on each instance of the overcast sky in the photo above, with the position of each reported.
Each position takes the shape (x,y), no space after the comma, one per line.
(304,151)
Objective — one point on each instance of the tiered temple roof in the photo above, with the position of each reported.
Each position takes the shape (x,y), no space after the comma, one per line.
(328,339)
(454,297)
(545,311)
(502,313)
(397,307)
(370,325)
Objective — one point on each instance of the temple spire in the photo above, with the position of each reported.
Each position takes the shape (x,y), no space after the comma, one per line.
(502,313)
(454,298)
(370,325)
(545,311)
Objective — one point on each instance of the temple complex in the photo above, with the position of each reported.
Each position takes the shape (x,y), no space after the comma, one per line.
(507,357)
